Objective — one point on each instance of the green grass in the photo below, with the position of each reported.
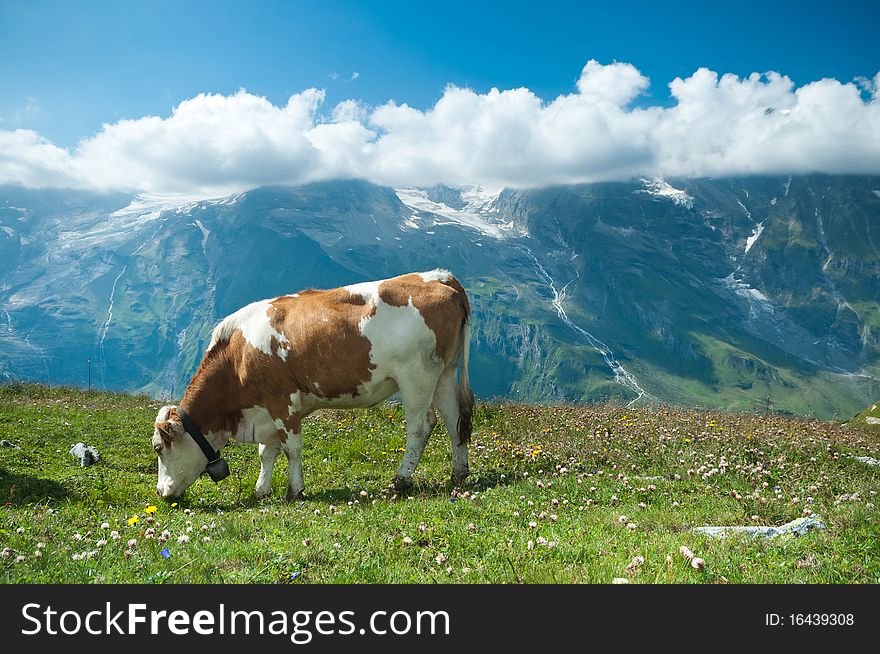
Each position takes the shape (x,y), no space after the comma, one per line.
(572,471)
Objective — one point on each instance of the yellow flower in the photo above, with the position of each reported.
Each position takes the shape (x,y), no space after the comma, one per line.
(173,504)
(133,519)
(150,509)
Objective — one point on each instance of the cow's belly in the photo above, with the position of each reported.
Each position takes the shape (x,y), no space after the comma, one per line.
(368,395)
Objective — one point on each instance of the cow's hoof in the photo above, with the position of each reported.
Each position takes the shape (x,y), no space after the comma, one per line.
(294,496)
(262,494)
(401,484)
(458,480)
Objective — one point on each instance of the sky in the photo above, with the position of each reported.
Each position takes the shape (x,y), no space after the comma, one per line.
(220,96)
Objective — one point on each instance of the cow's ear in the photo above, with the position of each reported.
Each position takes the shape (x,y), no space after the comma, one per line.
(168,431)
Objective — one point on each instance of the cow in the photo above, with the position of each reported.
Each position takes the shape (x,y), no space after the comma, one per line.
(273,362)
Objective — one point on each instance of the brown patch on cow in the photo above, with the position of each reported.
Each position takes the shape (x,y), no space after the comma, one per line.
(326,356)
(443,305)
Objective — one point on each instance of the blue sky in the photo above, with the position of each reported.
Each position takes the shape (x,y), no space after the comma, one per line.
(68,67)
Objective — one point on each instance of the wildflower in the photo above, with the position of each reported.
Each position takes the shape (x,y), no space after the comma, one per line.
(542,540)
(20,530)
(105,525)
(440,559)
(132,520)
(38,554)
(533,524)
(471,527)
(623,519)
(686,552)
(206,539)
(698,564)
(41,545)
(101,543)
(114,535)
(407,540)
(364,493)
(552,544)
(132,543)
(632,526)
(306,542)
(530,545)
(150,509)
(165,553)
(183,539)
(620,580)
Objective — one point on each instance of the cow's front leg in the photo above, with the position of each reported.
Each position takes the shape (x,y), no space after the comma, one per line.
(293,449)
(268,453)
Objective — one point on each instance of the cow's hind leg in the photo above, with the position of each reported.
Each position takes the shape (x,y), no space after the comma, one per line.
(293,449)
(417,396)
(446,401)
(268,453)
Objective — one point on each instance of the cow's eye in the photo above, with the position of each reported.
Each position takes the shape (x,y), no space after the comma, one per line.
(158,448)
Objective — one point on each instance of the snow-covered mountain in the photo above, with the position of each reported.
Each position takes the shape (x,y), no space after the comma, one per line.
(700,292)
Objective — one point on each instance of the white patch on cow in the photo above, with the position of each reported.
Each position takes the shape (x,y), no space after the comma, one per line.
(437,275)
(253,322)
(398,336)
(296,403)
(255,426)
(367,290)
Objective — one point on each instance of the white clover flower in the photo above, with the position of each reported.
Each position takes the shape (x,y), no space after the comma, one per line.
(686,552)
(407,540)
(132,543)
(698,564)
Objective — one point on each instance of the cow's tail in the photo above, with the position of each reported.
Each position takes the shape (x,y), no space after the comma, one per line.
(465,395)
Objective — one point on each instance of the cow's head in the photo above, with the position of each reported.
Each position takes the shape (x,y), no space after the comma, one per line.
(181,461)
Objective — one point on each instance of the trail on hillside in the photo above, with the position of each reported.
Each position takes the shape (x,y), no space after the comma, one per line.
(621,375)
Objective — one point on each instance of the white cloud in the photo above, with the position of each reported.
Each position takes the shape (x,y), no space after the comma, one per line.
(716,126)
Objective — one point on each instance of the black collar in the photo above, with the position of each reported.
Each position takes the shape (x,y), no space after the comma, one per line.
(217,467)
(193,430)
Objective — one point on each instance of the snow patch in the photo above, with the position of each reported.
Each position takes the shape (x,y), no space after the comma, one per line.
(757,301)
(205,231)
(756,234)
(479,212)
(659,188)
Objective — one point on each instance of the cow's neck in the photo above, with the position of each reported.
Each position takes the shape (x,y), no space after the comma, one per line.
(212,402)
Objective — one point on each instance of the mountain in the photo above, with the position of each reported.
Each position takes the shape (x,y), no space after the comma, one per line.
(754,293)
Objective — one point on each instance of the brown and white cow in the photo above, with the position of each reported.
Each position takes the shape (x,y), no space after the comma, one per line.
(271,363)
